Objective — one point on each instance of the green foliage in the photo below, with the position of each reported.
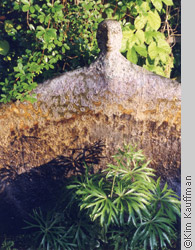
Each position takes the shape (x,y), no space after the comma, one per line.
(121,207)
(48,231)
(40,39)
(44,39)
(143,42)
(8,245)
(154,232)
(166,200)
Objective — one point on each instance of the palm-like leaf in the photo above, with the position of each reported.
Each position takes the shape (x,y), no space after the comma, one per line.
(153,232)
(130,201)
(49,234)
(166,200)
(131,165)
(94,196)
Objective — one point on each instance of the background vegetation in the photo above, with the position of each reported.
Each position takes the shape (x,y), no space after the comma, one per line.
(42,38)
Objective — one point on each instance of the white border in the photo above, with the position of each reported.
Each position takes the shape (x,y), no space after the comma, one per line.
(188,123)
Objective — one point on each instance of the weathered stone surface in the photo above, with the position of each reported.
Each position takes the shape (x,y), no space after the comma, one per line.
(112,100)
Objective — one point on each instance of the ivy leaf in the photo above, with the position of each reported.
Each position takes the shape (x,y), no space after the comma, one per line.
(4,47)
(132,55)
(140,22)
(152,50)
(141,49)
(154,20)
(157,4)
(168,2)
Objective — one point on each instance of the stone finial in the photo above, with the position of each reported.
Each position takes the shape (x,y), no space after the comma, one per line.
(109,35)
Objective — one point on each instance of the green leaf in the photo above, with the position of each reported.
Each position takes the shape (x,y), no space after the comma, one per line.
(25,8)
(154,20)
(132,40)
(158,70)
(34,67)
(37,7)
(31,26)
(163,57)
(149,36)
(168,2)
(123,46)
(141,36)
(41,18)
(132,55)
(142,7)
(152,50)
(30,99)
(140,22)
(26,2)
(158,35)
(126,35)
(40,33)
(145,6)
(8,26)
(162,44)
(4,47)
(157,4)
(49,35)
(32,9)
(40,28)
(141,49)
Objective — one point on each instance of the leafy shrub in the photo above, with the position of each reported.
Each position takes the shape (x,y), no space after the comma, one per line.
(121,207)
(42,38)
(48,231)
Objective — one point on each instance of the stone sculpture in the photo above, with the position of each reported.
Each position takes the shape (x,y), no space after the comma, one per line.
(112,100)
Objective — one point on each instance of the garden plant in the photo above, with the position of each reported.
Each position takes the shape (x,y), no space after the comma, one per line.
(121,207)
(40,39)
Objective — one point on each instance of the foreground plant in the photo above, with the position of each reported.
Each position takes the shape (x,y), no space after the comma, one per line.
(121,207)
(48,231)
(126,196)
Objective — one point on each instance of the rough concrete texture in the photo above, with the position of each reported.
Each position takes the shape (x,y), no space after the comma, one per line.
(112,100)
